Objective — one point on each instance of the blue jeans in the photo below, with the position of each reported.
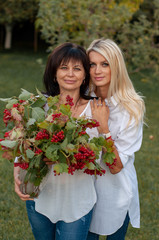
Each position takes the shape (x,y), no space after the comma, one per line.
(44,229)
(118,235)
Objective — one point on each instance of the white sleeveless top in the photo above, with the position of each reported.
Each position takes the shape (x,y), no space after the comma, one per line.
(68,197)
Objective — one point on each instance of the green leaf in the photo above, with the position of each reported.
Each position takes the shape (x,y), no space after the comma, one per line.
(98,141)
(5,99)
(39,103)
(62,157)
(27,112)
(52,101)
(30,153)
(81,140)
(11,102)
(60,168)
(38,114)
(71,148)
(108,157)
(37,182)
(44,125)
(65,109)
(90,166)
(30,122)
(38,160)
(8,143)
(25,95)
(70,126)
(42,97)
(64,144)
(51,152)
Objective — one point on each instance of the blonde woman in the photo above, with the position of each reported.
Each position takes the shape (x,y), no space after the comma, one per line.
(120,111)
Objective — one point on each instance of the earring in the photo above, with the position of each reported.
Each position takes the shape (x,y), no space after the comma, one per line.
(54,80)
(83,82)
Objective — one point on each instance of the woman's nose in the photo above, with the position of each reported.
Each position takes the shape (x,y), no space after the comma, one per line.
(70,72)
(98,69)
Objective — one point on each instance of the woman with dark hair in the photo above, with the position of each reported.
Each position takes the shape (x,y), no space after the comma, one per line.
(63,209)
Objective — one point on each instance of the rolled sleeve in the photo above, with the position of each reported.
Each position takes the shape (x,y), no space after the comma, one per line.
(128,140)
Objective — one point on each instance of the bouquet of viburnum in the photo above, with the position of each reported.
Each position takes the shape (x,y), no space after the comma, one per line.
(38,127)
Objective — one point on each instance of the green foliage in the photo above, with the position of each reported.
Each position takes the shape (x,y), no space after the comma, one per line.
(135,29)
(80,21)
(16,11)
(138,41)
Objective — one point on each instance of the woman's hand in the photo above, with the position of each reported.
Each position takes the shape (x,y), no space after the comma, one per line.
(100,112)
(17,183)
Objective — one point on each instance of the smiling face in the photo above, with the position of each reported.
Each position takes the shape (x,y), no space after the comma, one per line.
(70,75)
(100,71)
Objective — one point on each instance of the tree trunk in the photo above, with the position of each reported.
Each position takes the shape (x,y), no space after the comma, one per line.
(8,36)
(35,40)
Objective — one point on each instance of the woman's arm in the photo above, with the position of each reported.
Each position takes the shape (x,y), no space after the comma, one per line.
(100,112)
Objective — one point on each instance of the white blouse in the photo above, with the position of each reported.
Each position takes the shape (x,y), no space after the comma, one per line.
(117,194)
(68,197)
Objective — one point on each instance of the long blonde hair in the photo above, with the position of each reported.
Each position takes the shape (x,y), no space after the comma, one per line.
(121,86)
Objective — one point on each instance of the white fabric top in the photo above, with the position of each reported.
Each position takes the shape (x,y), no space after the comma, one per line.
(117,194)
(68,197)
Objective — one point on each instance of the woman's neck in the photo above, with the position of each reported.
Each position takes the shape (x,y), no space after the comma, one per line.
(101,92)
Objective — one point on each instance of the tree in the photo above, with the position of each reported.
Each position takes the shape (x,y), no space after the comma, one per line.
(13,11)
(139,39)
(80,21)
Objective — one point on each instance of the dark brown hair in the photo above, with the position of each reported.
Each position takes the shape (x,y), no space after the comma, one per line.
(63,54)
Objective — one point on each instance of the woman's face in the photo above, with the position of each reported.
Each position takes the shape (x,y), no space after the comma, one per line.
(70,75)
(99,69)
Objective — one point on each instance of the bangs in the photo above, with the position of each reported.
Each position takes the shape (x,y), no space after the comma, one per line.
(73,55)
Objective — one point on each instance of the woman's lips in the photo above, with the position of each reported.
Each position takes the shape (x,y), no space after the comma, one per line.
(70,81)
(98,78)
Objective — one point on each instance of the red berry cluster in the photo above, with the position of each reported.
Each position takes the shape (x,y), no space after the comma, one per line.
(92,124)
(6,134)
(21,101)
(21,165)
(71,169)
(94,172)
(111,165)
(69,101)
(43,134)
(38,151)
(82,133)
(58,136)
(56,115)
(85,153)
(7,116)
(81,156)
(56,174)
(16,105)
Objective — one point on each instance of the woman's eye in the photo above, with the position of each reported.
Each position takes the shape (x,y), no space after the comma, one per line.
(92,64)
(77,69)
(63,67)
(105,64)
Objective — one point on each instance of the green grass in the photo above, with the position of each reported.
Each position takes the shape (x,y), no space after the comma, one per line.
(22,70)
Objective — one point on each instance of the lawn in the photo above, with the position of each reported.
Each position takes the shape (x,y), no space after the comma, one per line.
(24,70)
